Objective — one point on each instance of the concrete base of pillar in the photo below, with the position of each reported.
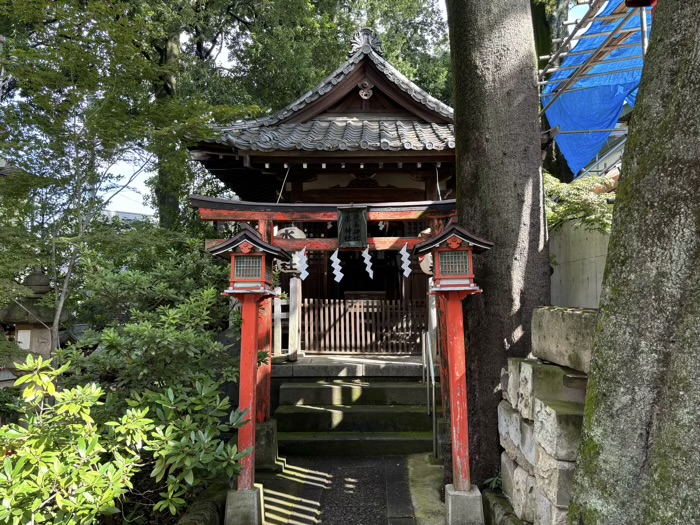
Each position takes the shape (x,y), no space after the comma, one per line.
(266,459)
(245,507)
(463,508)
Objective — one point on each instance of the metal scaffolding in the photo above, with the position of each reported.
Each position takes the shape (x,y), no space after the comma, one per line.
(617,38)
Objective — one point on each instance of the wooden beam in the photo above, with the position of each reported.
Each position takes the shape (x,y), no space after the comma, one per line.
(330,245)
(207,214)
(354,156)
(211,210)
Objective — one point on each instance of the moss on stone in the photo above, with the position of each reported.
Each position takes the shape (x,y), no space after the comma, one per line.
(498,510)
(426,483)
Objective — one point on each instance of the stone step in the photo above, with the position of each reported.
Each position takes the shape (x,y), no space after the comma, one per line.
(329,367)
(354,443)
(352,393)
(353,418)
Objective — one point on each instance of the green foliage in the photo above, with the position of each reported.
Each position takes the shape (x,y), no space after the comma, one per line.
(58,467)
(9,404)
(292,45)
(494,483)
(155,350)
(585,202)
(552,7)
(142,268)
(415,40)
(158,353)
(103,83)
(70,461)
(152,296)
(83,107)
(10,352)
(187,445)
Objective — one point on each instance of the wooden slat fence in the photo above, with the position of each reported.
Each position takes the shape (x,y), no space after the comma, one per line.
(363,326)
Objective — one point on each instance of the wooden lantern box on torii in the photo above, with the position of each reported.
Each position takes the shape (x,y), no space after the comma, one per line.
(453,280)
(250,283)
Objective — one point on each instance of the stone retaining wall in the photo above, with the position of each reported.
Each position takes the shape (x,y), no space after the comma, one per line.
(541,415)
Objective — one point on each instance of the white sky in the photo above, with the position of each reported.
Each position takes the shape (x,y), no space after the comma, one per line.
(131,199)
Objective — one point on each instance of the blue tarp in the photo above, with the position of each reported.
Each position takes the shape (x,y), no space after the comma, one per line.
(600,104)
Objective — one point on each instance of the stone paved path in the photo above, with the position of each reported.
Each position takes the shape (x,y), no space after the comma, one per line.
(339,491)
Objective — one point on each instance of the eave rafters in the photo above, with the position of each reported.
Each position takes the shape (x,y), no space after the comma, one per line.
(213,209)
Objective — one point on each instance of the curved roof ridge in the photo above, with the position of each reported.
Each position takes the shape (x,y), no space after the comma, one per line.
(370,47)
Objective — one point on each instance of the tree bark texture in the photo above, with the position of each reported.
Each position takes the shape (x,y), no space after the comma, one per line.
(167,190)
(500,197)
(640,456)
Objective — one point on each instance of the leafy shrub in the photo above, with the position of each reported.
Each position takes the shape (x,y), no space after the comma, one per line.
(10,352)
(65,465)
(58,466)
(142,269)
(188,450)
(158,349)
(167,362)
(585,202)
(138,425)
(9,404)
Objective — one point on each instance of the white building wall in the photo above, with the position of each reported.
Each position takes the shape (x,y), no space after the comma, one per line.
(579,265)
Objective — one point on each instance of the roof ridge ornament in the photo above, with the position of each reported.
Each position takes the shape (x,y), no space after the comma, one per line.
(366,40)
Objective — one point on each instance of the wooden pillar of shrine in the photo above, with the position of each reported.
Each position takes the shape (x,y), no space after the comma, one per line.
(264,330)
(457,372)
(247,387)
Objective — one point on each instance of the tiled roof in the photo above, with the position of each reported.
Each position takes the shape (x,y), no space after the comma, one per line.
(273,133)
(344,135)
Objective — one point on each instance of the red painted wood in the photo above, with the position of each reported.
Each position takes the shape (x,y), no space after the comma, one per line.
(264,372)
(330,245)
(210,214)
(249,359)
(442,348)
(458,391)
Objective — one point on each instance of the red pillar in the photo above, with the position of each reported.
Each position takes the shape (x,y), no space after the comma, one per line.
(264,372)
(249,365)
(457,359)
(442,346)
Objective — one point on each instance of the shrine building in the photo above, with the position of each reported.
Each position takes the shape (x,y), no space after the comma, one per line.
(354,174)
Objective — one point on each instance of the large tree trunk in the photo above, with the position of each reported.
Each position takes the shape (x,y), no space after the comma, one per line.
(167,187)
(500,197)
(640,456)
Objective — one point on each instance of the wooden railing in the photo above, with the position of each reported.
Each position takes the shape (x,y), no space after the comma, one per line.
(362,326)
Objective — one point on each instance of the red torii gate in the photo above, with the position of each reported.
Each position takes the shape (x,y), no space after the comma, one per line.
(452,285)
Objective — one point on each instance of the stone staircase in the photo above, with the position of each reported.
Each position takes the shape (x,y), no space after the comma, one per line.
(353,417)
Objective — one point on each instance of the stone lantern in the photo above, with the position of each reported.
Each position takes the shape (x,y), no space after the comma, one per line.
(31,319)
